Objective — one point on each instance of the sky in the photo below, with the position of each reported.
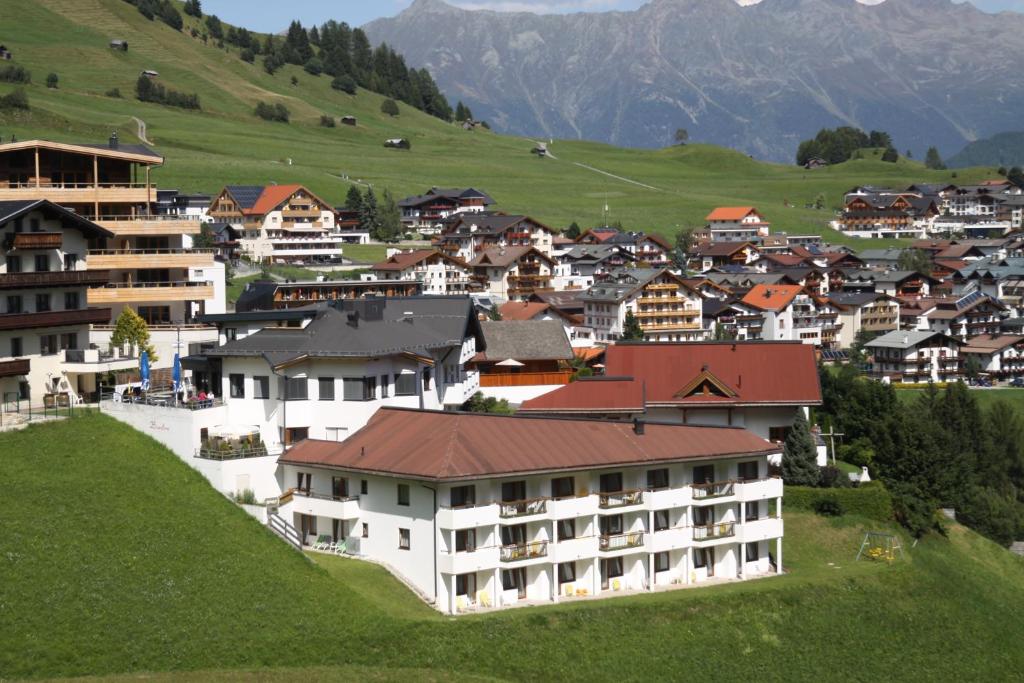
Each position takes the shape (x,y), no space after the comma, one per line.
(275,16)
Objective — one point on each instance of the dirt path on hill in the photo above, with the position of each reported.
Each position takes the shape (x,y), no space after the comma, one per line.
(141,134)
(618,177)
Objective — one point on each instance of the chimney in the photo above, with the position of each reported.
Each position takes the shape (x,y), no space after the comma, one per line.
(638,426)
(113,140)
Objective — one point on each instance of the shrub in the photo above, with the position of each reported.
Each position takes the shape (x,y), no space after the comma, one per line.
(113,92)
(829,506)
(314,66)
(12,73)
(327,121)
(869,500)
(15,100)
(389,107)
(294,81)
(345,84)
(832,477)
(52,80)
(247,55)
(272,112)
(148,91)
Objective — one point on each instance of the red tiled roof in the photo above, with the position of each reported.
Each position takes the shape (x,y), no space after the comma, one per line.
(437,445)
(783,259)
(759,372)
(271,198)
(721,248)
(600,395)
(771,297)
(730,213)
(408,259)
(522,310)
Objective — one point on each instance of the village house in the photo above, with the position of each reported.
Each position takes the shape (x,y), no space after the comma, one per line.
(280,223)
(582,264)
(266,295)
(423,213)
(756,385)
(468,235)
(438,273)
(790,313)
(712,255)
(478,511)
(513,273)
(651,250)
(734,224)
(523,358)
(914,356)
(887,214)
(872,312)
(972,314)
(147,256)
(1000,356)
(44,313)
(539,309)
(664,305)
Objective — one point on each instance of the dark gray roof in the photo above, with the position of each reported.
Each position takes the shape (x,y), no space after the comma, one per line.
(854,298)
(121,147)
(245,195)
(298,313)
(446,193)
(360,328)
(905,339)
(525,340)
(10,210)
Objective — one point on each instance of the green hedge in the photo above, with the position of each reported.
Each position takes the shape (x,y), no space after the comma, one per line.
(870,500)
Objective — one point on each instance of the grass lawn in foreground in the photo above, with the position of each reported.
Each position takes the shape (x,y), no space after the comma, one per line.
(115,557)
(986,397)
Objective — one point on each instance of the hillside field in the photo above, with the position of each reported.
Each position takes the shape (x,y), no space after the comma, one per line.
(655,190)
(117,558)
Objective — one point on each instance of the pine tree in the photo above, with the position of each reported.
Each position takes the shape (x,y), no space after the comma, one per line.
(631,328)
(572,232)
(799,455)
(389,219)
(368,212)
(354,199)
(933,161)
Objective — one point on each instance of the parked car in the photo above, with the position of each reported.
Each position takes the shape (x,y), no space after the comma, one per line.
(1017,382)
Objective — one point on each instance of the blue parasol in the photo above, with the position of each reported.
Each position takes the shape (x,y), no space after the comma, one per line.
(176,373)
(144,370)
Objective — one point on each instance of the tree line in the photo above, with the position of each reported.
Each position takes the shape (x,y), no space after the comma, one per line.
(382,219)
(940,450)
(838,145)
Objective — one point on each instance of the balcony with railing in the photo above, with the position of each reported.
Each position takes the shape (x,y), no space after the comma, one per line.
(34,240)
(714,532)
(14,368)
(524,551)
(97,360)
(77,193)
(150,258)
(613,542)
(522,508)
(81,316)
(525,379)
(713,490)
(618,499)
(132,292)
(324,505)
(57,278)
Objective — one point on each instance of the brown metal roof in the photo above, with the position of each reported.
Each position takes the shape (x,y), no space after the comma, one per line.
(435,445)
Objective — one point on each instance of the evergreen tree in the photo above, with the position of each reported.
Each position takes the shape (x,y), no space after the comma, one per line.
(572,232)
(683,247)
(933,161)
(389,219)
(52,80)
(631,329)
(354,199)
(344,83)
(368,219)
(193,8)
(297,42)
(799,455)
(890,155)
(917,260)
(362,57)
(214,27)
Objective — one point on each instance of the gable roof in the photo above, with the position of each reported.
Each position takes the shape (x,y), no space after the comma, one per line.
(522,310)
(730,213)
(986,343)
(721,248)
(905,339)
(599,394)
(273,196)
(524,340)
(244,195)
(771,297)
(135,153)
(452,193)
(504,257)
(408,259)
(13,209)
(446,446)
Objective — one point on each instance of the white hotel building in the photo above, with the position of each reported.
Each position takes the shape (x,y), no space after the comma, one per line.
(482,511)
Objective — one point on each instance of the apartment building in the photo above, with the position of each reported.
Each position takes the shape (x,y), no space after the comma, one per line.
(790,313)
(914,356)
(438,273)
(999,355)
(971,314)
(869,311)
(665,305)
(468,235)
(735,224)
(477,511)
(146,255)
(44,314)
(513,273)
(280,223)
(424,212)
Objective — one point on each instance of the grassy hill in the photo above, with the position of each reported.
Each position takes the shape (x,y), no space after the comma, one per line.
(655,190)
(117,558)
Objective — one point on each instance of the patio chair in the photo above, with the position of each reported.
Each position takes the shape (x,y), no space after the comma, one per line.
(323,542)
(339,548)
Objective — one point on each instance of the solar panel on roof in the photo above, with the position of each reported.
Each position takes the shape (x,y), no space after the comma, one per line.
(246,195)
(969,299)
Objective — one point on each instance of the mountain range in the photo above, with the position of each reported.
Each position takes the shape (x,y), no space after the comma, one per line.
(758,78)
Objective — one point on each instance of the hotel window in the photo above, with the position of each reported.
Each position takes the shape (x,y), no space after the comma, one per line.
(47,344)
(295,434)
(463,496)
(70,261)
(261,386)
(33,225)
(14,303)
(611,525)
(383,386)
(703,474)
(611,482)
(405,385)
(366,530)
(363,487)
(700,557)
(69,341)
(661,562)
(42,263)
(566,572)
(426,379)
(753,554)
(338,530)
(339,488)
(566,529)
(42,303)
(13,264)
(71,301)
(155,315)
(16,346)
(562,487)
(747,470)
(403,494)
(305,481)
(657,479)
(661,522)
(752,510)
(231,334)
(359,388)
(465,585)
(296,389)
(325,388)
(778,433)
(465,540)
(236,384)
(403,539)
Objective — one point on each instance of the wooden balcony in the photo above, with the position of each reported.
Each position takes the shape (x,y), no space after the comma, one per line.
(525,379)
(149,258)
(660,287)
(676,312)
(35,240)
(149,225)
(287,214)
(79,193)
(14,368)
(668,326)
(48,279)
(144,292)
(81,316)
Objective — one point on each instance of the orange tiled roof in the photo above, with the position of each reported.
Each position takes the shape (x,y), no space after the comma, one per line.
(271,198)
(771,297)
(730,213)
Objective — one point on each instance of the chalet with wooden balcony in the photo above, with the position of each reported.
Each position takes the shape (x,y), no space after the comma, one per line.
(723,254)
(479,512)
(734,224)
(45,320)
(513,273)
(970,315)
(541,307)
(523,358)
(884,213)
(468,235)
(267,295)
(915,356)
(425,212)
(650,250)
(438,273)
(1001,356)
(791,313)
(280,223)
(664,304)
